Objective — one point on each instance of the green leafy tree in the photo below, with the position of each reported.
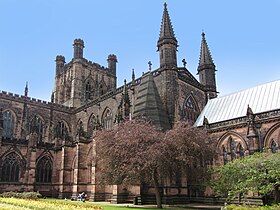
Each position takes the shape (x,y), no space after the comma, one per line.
(259,172)
(136,152)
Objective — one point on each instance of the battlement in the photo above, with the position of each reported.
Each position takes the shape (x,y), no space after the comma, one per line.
(60,58)
(33,101)
(78,42)
(93,64)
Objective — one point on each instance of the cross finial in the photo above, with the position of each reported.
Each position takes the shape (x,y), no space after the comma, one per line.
(150,65)
(184,62)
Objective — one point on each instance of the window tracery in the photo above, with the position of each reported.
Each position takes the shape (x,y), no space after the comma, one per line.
(10,168)
(44,170)
(190,111)
(8,125)
(37,127)
(108,119)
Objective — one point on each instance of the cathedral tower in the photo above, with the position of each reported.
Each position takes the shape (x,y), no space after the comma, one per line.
(206,69)
(167,47)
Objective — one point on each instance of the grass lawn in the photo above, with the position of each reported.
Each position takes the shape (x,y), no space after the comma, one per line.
(55,204)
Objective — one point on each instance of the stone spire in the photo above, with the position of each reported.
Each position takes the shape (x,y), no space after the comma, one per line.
(167,43)
(206,69)
(166,30)
(205,54)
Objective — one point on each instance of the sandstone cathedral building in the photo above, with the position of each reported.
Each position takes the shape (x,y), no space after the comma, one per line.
(49,146)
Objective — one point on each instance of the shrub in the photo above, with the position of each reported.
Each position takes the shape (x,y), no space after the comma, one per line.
(27,195)
(237,207)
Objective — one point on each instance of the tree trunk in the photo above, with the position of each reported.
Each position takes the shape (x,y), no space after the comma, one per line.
(265,200)
(276,195)
(157,190)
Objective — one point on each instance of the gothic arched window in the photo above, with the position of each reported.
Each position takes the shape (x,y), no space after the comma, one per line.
(8,125)
(92,124)
(88,90)
(44,170)
(232,149)
(101,90)
(273,147)
(225,155)
(108,119)
(191,110)
(241,151)
(10,168)
(61,130)
(37,124)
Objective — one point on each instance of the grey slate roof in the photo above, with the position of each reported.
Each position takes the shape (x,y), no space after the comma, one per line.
(149,104)
(261,98)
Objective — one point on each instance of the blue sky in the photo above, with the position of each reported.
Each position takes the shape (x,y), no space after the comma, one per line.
(243,36)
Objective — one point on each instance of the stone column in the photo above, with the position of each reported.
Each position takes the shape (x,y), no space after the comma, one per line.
(76,174)
(61,173)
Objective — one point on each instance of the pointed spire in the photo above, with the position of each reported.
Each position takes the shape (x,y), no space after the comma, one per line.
(133,76)
(166,30)
(205,54)
(125,94)
(26,90)
(52,97)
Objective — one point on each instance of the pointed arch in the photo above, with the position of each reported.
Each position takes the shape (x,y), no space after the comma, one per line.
(62,130)
(9,119)
(102,87)
(92,124)
(44,168)
(234,135)
(80,128)
(12,167)
(225,155)
(37,126)
(107,118)
(273,134)
(233,144)
(89,86)
(240,151)
(190,108)
(232,148)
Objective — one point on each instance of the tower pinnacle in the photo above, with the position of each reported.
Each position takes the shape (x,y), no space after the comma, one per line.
(26,90)
(167,43)
(206,69)
(205,54)
(166,30)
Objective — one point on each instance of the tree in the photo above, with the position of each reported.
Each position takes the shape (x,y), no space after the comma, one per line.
(259,172)
(137,152)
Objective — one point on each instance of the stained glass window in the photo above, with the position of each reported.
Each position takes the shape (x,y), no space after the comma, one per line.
(8,125)
(108,119)
(10,168)
(44,170)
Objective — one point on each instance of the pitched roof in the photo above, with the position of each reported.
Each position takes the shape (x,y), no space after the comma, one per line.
(149,104)
(261,98)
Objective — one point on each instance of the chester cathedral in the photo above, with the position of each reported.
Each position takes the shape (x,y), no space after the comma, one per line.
(49,146)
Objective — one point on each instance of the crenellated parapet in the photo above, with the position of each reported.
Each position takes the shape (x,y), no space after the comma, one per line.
(33,101)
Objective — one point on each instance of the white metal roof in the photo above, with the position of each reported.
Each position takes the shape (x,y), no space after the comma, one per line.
(261,98)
